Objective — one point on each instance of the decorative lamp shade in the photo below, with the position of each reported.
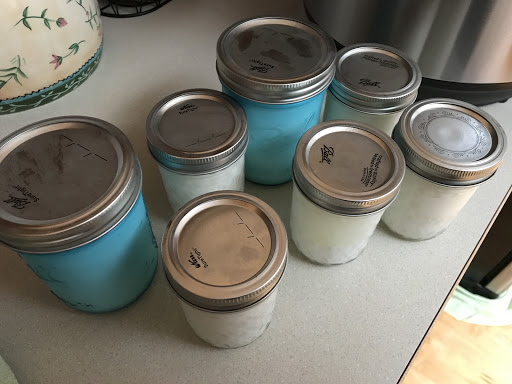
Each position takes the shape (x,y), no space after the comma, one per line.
(49,48)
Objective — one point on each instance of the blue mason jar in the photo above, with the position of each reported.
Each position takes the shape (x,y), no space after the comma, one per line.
(71,206)
(278,69)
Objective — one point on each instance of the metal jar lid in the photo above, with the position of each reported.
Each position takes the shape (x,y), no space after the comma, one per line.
(450,141)
(224,250)
(275,60)
(347,167)
(375,78)
(197,130)
(65,182)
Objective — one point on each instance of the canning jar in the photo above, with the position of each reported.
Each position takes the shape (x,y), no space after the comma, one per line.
(224,254)
(278,69)
(373,84)
(198,138)
(450,148)
(345,176)
(72,207)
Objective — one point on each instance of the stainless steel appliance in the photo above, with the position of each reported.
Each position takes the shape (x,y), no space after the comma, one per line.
(490,271)
(463,47)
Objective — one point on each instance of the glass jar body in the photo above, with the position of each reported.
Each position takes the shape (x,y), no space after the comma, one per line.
(183,187)
(274,131)
(335,109)
(231,329)
(107,273)
(327,237)
(423,208)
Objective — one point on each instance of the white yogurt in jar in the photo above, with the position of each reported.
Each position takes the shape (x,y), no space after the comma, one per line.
(181,187)
(231,329)
(345,175)
(450,148)
(373,85)
(224,254)
(198,138)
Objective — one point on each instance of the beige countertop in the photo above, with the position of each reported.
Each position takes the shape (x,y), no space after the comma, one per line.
(356,323)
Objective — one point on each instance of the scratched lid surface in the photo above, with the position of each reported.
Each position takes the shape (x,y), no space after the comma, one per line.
(275,60)
(197,130)
(375,78)
(348,167)
(64,182)
(224,250)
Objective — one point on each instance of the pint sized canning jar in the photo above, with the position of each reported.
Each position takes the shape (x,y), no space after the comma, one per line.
(373,84)
(198,138)
(224,254)
(345,175)
(71,206)
(278,69)
(450,148)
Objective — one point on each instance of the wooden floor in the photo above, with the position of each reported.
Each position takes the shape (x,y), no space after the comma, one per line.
(456,352)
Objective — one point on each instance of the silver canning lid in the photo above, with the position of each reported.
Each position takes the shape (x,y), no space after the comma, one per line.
(65,182)
(275,60)
(197,130)
(224,250)
(347,167)
(375,78)
(450,141)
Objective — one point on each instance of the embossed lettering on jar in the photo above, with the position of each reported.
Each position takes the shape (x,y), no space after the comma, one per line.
(198,138)
(450,148)
(71,205)
(224,254)
(373,84)
(345,175)
(278,69)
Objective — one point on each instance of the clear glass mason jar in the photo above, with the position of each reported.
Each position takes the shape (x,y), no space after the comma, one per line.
(450,148)
(224,254)
(346,174)
(72,208)
(373,84)
(278,69)
(198,138)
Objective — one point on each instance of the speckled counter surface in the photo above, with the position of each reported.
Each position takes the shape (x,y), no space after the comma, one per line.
(357,323)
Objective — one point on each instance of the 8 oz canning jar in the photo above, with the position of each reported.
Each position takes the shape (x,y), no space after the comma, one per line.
(71,205)
(224,254)
(450,148)
(346,174)
(278,69)
(198,138)
(373,84)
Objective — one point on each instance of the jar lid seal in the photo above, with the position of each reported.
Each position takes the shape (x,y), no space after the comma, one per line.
(224,250)
(348,167)
(65,182)
(196,130)
(375,78)
(450,141)
(275,60)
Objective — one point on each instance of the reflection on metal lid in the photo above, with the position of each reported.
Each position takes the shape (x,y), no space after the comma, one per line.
(348,167)
(450,141)
(197,130)
(375,77)
(224,250)
(64,182)
(275,60)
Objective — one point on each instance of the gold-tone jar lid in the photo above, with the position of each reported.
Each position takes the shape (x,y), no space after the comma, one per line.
(224,250)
